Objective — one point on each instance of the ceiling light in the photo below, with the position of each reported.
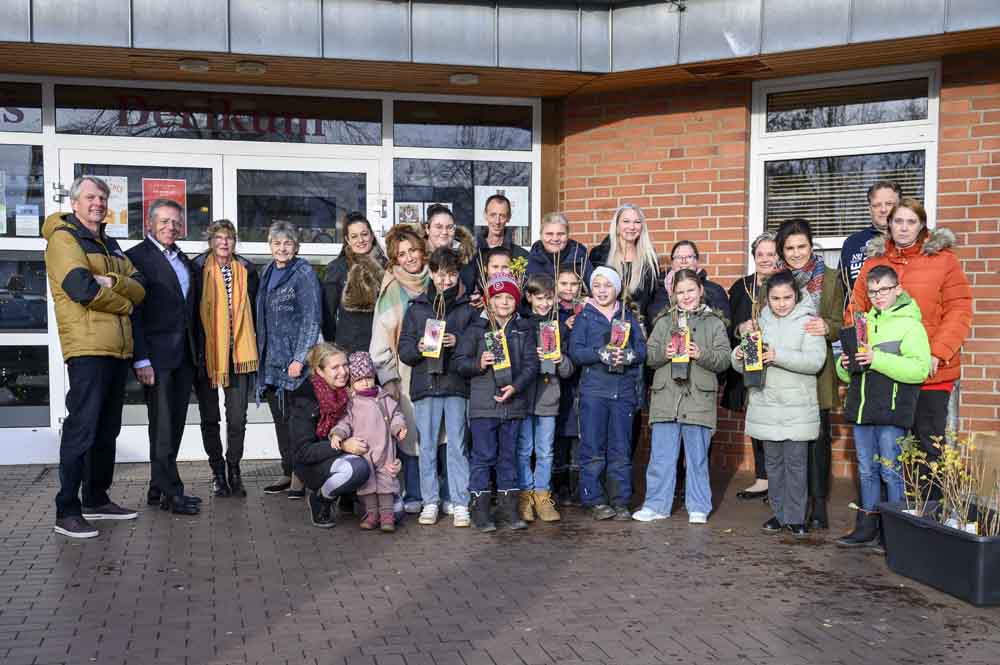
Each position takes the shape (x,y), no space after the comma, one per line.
(464,79)
(193,65)
(250,67)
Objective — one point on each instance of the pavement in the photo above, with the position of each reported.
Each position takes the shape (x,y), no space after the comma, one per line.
(250,581)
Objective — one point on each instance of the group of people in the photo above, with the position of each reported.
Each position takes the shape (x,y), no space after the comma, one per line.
(459,371)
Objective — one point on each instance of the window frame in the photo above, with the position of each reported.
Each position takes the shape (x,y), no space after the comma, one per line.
(847,140)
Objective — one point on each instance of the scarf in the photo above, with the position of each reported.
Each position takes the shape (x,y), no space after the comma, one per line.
(809,279)
(414,285)
(332,405)
(227,325)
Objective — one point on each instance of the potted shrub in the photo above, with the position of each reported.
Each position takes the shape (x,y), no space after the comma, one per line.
(952,544)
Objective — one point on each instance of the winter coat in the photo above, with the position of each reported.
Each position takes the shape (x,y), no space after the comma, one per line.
(93,320)
(314,456)
(642,297)
(786,408)
(852,254)
(548,388)
(831,310)
(886,393)
(253,285)
(589,339)
(715,297)
(932,274)
(568,421)
(483,247)
(691,402)
(458,318)
(288,321)
(741,307)
(350,289)
(377,421)
(573,257)
(482,383)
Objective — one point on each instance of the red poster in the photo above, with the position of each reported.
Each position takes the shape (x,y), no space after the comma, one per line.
(163,188)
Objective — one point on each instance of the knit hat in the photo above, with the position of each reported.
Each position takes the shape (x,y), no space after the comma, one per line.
(361,366)
(504,282)
(608,274)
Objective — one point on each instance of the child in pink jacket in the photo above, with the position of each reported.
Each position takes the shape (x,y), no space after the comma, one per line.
(374,417)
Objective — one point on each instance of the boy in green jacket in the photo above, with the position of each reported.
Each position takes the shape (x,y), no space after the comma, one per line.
(882,398)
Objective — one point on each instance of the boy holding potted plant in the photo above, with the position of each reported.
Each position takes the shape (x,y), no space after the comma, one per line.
(893,360)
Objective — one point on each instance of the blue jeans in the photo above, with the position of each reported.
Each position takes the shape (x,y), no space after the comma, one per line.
(428,413)
(881,440)
(605,447)
(494,444)
(537,434)
(661,474)
(411,477)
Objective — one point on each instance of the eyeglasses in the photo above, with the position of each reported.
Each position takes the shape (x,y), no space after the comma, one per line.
(684,257)
(884,291)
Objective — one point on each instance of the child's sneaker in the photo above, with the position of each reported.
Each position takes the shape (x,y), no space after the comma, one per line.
(622,513)
(370,521)
(648,515)
(388,521)
(429,515)
(447,507)
(697,518)
(461,517)
(412,507)
(602,512)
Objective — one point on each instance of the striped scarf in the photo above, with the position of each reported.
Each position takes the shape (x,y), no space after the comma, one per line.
(809,279)
(227,321)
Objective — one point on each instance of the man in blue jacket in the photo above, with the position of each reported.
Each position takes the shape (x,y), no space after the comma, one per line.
(883,196)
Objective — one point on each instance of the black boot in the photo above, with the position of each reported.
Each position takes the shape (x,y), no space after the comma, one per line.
(865,531)
(220,486)
(236,487)
(573,488)
(508,508)
(481,512)
(818,520)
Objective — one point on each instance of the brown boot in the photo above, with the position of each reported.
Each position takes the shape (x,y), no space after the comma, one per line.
(525,506)
(546,506)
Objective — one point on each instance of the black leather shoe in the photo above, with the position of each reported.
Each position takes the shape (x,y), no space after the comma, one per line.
(153,497)
(278,487)
(817,524)
(772,526)
(178,506)
(751,496)
(196,500)
(797,530)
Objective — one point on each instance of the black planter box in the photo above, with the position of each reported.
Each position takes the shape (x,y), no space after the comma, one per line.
(950,560)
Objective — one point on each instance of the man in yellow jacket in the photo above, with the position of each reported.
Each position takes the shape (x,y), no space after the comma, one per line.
(94,288)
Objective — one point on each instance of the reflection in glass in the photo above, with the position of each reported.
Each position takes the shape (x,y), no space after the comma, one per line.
(454,181)
(314,201)
(844,106)
(830,192)
(20,107)
(190,114)
(22,184)
(22,292)
(24,386)
(197,185)
(481,126)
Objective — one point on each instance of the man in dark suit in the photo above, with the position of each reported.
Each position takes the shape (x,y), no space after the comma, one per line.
(163,329)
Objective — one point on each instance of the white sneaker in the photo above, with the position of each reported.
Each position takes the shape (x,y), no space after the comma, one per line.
(648,515)
(461,517)
(697,518)
(412,507)
(447,507)
(429,515)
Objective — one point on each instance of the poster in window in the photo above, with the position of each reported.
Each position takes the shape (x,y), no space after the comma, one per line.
(117,216)
(164,188)
(409,212)
(26,220)
(520,202)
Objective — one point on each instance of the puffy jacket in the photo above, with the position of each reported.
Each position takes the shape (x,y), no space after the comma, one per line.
(691,402)
(350,289)
(931,273)
(886,393)
(458,317)
(253,285)
(548,388)
(482,385)
(288,323)
(93,320)
(589,338)
(642,298)
(573,256)
(786,407)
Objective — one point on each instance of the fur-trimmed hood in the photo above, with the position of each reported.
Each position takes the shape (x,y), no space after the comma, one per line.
(930,242)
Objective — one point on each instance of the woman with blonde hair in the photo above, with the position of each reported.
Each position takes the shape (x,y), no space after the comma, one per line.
(629,251)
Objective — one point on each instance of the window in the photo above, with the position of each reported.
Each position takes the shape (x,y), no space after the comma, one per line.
(464,186)
(24,386)
(231,117)
(22,292)
(20,107)
(22,191)
(819,142)
(486,127)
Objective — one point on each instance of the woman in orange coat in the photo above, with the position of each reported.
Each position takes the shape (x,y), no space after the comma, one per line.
(932,274)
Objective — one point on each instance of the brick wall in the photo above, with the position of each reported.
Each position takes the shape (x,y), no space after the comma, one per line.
(969,204)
